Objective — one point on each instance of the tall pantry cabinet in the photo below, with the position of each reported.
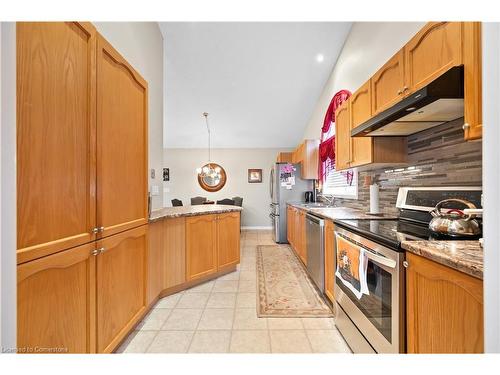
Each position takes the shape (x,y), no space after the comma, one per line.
(82,189)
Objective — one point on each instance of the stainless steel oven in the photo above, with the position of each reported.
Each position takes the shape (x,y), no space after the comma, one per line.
(371,320)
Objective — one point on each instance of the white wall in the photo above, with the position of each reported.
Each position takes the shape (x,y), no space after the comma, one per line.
(368,46)
(141,43)
(491,182)
(8,185)
(184,185)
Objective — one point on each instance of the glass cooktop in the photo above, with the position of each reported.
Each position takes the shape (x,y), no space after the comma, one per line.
(391,232)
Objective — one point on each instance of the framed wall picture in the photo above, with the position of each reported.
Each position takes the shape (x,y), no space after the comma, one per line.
(254,176)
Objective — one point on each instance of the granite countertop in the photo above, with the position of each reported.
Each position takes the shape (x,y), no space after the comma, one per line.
(202,209)
(341,213)
(464,256)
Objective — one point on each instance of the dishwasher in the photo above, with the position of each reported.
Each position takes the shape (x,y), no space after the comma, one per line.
(315,228)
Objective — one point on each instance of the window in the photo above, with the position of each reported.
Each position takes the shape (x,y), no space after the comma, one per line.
(343,184)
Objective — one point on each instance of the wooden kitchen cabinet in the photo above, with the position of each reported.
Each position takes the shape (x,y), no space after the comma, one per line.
(473,95)
(342,137)
(351,152)
(306,154)
(285,157)
(290,222)
(122,146)
(121,275)
(201,246)
(329,260)
(156,254)
(361,111)
(228,239)
(56,302)
(436,48)
(388,84)
(444,309)
(301,230)
(174,257)
(56,109)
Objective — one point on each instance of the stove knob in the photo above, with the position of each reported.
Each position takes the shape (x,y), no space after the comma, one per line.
(405,264)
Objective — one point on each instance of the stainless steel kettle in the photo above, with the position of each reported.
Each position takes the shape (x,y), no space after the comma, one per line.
(454,223)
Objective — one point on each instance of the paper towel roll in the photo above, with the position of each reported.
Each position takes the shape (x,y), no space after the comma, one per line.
(374,205)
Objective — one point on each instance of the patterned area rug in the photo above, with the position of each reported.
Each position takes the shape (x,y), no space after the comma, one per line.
(284,288)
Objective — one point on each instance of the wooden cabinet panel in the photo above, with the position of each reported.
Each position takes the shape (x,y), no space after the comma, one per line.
(342,137)
(361,111)
(174,261)
(434,50)
(228,239)
(201,246)
(55,301)
(289,224)
(285,157)
(329,260)
(444,309)
(121,285)
(122,148)
(156,253)
(302,236)
(55,137)
(473,96)
(388,83)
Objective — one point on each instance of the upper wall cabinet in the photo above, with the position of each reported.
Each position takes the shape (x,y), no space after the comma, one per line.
(307,155)
(388,84)
(473,97)
(434,50)
(342,137)
(361,110)
(56,100)
(122,147)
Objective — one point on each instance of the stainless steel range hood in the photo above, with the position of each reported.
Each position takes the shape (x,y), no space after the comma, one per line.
(439,102)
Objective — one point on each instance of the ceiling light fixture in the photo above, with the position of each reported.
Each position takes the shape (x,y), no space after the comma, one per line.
(209,169)
(320,58)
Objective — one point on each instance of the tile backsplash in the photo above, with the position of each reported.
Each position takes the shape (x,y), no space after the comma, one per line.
(436,157)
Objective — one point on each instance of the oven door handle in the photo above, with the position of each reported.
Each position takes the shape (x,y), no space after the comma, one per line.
(388,262)
(380,259)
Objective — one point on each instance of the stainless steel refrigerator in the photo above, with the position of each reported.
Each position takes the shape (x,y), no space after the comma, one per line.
(282,191)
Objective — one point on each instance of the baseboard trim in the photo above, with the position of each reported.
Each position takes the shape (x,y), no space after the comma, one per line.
(256,228)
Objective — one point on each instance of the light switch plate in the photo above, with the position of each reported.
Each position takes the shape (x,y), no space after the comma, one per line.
(153,173)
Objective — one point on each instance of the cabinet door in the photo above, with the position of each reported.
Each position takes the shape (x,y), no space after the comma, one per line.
(174,261)
(121,285)
(444,309)
(55,301)
(289,224)
(361,111)
(55,136)
(122,145)
(434,50)
(342,137)
(388,83)
(329,260)
(228,239)
(201,246)
(473,99)
(303,240)
(156,250)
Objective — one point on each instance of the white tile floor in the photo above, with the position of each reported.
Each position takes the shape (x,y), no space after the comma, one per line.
(220,316)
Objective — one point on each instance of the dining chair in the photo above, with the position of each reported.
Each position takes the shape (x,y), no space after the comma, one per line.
(176,202)
(238,201)
(197,201)
(226,201)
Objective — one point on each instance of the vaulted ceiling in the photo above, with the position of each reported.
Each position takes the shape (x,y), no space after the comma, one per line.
(258,81)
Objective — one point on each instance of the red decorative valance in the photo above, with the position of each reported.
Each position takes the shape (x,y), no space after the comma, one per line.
(337,100)
(327,150)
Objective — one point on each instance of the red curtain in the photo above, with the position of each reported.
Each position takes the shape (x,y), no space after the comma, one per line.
(327,147)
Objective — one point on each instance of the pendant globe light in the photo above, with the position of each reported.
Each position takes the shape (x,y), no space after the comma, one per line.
(209,169)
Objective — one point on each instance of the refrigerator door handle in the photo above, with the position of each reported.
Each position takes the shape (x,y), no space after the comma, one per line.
(271,183)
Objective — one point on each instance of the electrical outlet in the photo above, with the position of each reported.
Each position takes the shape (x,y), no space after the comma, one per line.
(153,173)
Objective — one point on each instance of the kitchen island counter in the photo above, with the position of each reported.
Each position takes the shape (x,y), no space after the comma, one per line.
(202,209)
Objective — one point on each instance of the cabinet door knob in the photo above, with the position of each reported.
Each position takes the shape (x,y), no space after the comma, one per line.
(97,230)
(405,264)
(405,88)
(400,92)
(465,126)
(98,251)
